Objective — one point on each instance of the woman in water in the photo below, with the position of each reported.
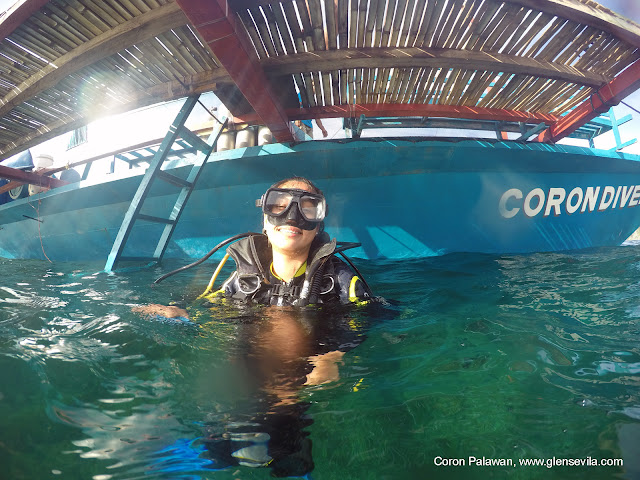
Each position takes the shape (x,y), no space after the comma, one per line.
(291,264)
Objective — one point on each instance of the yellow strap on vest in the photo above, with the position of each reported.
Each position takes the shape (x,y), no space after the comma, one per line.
(301,269)
(352,289)
(215,275)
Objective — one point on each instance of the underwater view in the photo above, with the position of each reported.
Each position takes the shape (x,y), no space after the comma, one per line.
(480,366)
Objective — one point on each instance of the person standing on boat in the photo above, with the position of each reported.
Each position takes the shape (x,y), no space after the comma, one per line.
(307,127)
(293,263)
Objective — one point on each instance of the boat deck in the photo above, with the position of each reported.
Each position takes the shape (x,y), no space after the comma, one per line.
(559,63)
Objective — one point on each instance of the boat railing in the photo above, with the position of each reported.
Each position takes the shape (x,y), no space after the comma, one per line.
(607,122)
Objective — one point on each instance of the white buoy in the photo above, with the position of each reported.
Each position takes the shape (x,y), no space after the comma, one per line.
(226,141)
(40,162)
(264,136)
(245,138)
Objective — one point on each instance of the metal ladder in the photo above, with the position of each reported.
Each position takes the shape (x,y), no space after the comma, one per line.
(176,131)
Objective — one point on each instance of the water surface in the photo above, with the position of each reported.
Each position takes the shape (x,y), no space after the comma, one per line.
(504,357)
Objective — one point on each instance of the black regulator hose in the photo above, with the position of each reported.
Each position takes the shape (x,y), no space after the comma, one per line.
(211,252)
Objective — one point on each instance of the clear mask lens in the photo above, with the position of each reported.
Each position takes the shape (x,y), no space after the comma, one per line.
(277,202)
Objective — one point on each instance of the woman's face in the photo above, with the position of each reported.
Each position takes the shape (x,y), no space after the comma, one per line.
(290,239)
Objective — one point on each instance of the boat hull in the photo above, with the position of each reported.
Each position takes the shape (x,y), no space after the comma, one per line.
(399,198)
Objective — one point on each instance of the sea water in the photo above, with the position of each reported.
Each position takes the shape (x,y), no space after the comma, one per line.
(482,363)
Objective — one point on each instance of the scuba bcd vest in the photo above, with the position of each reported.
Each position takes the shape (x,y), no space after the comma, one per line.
(326,278)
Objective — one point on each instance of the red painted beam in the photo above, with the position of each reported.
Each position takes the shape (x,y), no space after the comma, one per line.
(607,96)
(225,36)
(412,110)
(28,177)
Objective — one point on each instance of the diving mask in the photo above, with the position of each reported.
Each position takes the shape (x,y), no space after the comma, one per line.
(277,203)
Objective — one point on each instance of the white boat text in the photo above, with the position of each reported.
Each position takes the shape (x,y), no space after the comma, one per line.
(556,201)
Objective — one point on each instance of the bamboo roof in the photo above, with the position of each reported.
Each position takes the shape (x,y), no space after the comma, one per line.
(64,63)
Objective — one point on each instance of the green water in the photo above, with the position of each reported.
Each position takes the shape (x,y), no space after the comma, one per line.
(502,357)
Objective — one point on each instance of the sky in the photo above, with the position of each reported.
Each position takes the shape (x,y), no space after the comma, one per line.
(626,8)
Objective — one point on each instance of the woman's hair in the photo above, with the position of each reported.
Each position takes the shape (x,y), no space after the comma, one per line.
(306,181)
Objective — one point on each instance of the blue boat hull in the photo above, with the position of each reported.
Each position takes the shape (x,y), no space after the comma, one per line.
(399,198)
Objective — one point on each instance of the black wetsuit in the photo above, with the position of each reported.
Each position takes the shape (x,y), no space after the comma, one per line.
(274,433)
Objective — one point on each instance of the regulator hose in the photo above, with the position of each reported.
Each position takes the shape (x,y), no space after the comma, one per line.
(211,252)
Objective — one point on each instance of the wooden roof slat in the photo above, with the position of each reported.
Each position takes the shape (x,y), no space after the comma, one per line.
(46,26)
(307,30)
(457,94)
(561,42)
(343,86)
(272,34)
(455,82)
(379,23)
(377,83)
(577,46)
(199,55)
(360,21)
(478,85)
(35,45)
(588,13)
(41,38)
(332,24)
(519,90)
(412,31)
(343,23)
(416,76)
(117,6)
(95,19)
(434,10)
(445,29)
(105,11)
(370,22)
(510,86)
(596,50)
(252,30)
(367,90)
(493,89)
(479,29)
(388,23)
(434,86)
(317,25)
(294,26)
(137,5)
(619,58)
(419,85)
(515,20)
(18,58)
(404,84)
(283,27)
(263,31)
(543,39)
(83,27)
(510,19)
(499,21)
(529,97)
(180,53)
(461,30)
(274,30)
(423,86)
(401,22)
(394,85)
